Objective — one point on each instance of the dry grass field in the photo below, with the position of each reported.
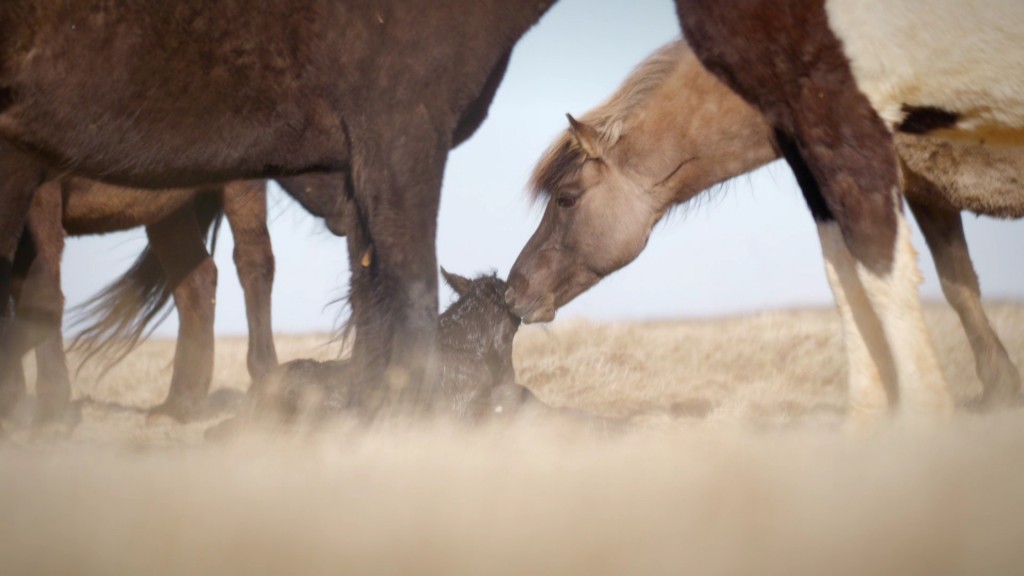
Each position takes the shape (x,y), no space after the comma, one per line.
(731,460)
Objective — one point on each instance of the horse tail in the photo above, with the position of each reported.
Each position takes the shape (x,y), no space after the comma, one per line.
(122,315)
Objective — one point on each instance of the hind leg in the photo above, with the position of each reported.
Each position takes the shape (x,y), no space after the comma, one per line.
(871,377)
(944,232)
(857,192)
(20,175)
(803,84)
(178,245)
(245,204)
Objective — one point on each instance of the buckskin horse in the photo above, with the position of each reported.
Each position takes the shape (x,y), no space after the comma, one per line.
(155,94)
(835,79)
(672,131)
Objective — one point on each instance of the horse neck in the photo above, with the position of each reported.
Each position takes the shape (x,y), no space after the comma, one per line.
(694,133)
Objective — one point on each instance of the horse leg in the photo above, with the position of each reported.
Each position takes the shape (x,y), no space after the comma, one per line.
(178,245)
(396,187)
(944,232)
(870,373)
(795,72)
(20,175)
(40,308)
(858,197)
(245,204)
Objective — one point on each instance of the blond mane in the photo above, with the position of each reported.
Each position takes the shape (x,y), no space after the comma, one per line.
(564,157)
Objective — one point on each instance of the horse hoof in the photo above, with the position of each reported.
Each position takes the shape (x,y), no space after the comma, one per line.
(58,422)
(178,411)
(224,430)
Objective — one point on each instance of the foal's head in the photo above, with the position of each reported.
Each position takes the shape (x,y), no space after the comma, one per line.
(475,338)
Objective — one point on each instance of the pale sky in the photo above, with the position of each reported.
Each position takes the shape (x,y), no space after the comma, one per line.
(753,247)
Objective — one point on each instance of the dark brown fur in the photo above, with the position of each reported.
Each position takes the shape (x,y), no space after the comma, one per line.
(784,59)
(158,94)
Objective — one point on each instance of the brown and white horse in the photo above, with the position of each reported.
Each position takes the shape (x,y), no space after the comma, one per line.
(671,131)
(835,78)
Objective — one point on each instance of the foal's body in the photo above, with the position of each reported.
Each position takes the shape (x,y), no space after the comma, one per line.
(157,94)
(478,380)
(672,131)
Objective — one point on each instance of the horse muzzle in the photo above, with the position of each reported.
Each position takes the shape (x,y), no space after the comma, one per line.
(531,308)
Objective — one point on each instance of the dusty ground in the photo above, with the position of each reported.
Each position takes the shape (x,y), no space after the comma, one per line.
(734,462)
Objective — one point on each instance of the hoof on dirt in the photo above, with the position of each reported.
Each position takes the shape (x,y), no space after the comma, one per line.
(224,430)
(992,401)
(180,411)
(58,423)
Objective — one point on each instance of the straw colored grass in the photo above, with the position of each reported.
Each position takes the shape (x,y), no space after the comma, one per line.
(733,461)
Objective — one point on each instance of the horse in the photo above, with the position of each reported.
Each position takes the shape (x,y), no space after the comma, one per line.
(478,381)
(153,94)
(836,79)
(175,264)
(672,131)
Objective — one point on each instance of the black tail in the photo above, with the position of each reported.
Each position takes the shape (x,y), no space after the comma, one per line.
(127,311)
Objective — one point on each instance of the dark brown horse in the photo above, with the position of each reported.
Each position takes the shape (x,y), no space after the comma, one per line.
(175,264)
(673,131)
(835,79)
(160,95)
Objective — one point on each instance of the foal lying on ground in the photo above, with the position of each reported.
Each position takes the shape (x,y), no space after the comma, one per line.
(477,377)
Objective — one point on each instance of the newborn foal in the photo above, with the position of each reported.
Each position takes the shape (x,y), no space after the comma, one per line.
(477,377)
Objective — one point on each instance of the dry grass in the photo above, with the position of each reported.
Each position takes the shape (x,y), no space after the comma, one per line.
(734,464)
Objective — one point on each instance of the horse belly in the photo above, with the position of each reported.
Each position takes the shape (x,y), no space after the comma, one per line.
(95,208)
(964,58)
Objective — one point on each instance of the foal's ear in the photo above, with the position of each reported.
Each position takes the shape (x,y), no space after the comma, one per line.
(587,136)
(458,283)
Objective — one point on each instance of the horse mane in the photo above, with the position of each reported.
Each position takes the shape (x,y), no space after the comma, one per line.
(565,157)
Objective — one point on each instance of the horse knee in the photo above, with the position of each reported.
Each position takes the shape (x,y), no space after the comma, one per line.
(255,263)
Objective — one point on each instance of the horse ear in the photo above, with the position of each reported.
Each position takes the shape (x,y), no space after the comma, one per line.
(458,283)
(587,136)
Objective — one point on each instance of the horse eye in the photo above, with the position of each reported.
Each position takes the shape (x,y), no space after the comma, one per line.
(566,201)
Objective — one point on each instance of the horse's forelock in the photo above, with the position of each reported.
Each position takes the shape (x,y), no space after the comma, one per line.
(565,156)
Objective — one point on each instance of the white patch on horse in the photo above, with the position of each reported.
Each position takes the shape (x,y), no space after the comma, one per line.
(958,56)
(870,364)
(890,302)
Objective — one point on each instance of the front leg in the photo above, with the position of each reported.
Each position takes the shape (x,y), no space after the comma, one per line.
(40,308)
(20,175)
(393,295)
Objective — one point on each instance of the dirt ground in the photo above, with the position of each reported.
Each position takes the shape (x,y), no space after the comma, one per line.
(731,459)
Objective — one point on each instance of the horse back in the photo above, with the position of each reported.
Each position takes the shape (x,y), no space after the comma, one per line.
(166,94)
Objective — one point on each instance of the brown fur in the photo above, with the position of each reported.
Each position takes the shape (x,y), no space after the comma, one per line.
(160,95)
(686,110)
(175,265)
